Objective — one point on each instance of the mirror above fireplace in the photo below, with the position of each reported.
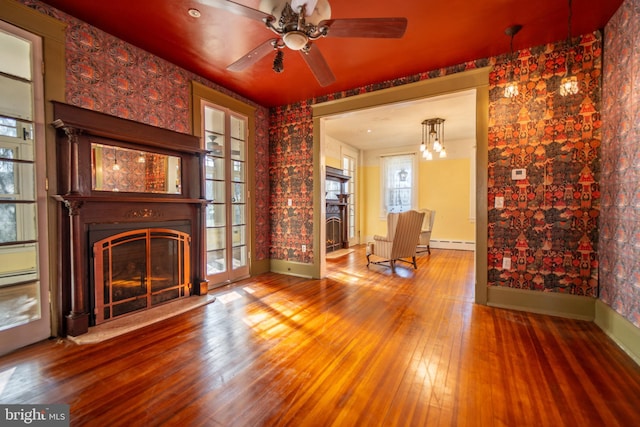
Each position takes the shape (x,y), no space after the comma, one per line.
(122,169)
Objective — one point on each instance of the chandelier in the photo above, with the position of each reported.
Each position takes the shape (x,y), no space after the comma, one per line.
(511,89)
(433,138)
(569,84)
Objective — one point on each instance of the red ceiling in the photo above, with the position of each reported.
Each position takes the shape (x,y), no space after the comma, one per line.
(439,34)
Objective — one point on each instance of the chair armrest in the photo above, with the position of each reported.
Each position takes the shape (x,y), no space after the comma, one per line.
(381,238)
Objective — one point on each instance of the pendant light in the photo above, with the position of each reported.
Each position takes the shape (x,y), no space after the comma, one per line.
(511,89)
(569,83)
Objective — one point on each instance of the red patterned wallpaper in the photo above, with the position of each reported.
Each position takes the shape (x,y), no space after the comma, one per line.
(549,224)
(108,75)
(620,222)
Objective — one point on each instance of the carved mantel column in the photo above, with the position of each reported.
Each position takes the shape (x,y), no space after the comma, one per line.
(71,156)
(78,319)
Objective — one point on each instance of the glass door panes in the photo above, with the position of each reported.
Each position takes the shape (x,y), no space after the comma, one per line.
(23,282)
(349,169)
(225,139)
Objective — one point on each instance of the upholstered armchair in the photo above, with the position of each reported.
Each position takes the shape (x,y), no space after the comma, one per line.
(401,241)
(425,235)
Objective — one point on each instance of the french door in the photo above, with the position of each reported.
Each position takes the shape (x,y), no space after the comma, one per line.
(227,248)
(24,284)
(350,167)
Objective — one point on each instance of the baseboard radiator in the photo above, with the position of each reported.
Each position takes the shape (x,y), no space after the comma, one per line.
(453,244)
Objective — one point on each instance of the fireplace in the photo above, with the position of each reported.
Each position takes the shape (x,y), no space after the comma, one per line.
(131,218)
(337,218)
(138,269)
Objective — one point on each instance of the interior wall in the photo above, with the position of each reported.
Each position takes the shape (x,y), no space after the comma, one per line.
(549,224)
(108,75)
(443,185)
(620,221)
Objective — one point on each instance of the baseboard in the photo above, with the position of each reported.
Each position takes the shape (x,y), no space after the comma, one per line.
(292,268)
(619,329)
(460,245)
(550,303)
(259,267)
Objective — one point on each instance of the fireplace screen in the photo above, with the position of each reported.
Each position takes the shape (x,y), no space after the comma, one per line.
(139,269)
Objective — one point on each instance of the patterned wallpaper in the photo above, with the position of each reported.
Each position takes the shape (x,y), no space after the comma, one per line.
(291,177)
(549,224)
(620,223)
(291,166)
(108,75)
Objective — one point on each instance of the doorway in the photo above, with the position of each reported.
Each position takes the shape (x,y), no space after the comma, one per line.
(477,79)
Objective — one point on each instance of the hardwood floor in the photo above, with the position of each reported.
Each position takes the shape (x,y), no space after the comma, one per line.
(360,348)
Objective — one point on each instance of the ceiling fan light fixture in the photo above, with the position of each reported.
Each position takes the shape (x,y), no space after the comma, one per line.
(295,40)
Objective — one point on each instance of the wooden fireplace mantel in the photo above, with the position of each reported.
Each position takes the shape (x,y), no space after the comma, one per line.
(78,128)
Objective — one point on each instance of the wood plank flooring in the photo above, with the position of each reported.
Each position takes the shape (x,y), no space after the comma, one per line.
(363,347)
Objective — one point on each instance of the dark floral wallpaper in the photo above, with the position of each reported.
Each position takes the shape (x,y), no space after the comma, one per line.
(620,221)
(108,75)
(550,220)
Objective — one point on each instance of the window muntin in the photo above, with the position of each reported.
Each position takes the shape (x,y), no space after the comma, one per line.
(398,173)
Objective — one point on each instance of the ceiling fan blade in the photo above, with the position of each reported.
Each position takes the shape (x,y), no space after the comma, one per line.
(319,67)
(236,8)
(253,56)
(392,28)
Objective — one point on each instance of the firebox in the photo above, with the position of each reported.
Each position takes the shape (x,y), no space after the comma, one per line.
(138,269)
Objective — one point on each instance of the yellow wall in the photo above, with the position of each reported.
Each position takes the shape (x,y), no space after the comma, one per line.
(333,162)
(443,186)
(370,203)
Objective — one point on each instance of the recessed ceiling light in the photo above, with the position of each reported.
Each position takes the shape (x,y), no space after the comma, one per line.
(194,13)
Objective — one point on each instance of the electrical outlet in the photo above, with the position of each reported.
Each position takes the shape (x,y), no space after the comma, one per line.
(289,202)
(506,263)
(499,202)
(304,248)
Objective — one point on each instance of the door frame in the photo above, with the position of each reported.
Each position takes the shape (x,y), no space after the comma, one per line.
(50,35)
(472,79)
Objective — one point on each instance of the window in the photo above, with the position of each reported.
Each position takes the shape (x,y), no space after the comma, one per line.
(398,183)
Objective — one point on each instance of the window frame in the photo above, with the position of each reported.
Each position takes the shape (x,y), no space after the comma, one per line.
(385,186)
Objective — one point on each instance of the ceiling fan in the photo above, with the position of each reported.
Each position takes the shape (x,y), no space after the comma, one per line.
(297,23)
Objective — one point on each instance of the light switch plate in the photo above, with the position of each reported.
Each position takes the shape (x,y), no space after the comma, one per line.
(499,202)
(506,263)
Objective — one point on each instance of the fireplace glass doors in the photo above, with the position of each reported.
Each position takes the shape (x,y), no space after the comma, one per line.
(139,269)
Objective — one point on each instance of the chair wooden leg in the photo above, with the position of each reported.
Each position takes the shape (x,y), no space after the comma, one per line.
(429,249)
(368,261)
(415,266)
(393,265)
